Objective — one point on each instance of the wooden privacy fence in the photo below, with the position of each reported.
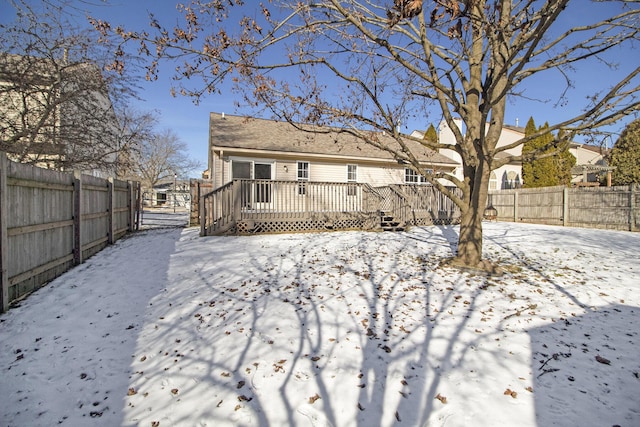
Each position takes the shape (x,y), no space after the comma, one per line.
(51,221)
(590,207)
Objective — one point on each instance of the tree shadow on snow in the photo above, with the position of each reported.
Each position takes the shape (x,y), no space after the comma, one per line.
(586,368)
(78,334)
(317,335)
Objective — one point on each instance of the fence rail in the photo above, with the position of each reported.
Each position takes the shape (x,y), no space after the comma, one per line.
(591,207)
(51,221)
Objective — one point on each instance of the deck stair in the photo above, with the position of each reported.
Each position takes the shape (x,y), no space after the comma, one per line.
(389,223)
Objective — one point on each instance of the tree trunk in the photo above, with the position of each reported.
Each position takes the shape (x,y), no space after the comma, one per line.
(469,254)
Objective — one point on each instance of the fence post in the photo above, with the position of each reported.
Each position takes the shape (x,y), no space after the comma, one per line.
(111,218)
(565,207)
(515,206)
(632,207)
(77,217)
(132,204)
(4,280)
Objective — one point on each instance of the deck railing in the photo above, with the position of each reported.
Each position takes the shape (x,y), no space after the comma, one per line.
(247,206)
(417,204)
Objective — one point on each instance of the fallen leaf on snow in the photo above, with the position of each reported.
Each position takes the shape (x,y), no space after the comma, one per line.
(312,399)
(509,392)
(603,360)
(131,391)
(441,398)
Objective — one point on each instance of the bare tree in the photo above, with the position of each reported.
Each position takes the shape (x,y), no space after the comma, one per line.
(366,66)
(161,156)
(136,128)
(57,92)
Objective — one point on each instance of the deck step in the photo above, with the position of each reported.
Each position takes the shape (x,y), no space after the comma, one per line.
(389,223)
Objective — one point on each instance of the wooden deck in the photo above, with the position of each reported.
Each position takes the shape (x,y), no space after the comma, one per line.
(266,206)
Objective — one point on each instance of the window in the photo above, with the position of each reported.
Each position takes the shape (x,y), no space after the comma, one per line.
(303,171)
(161,198)
(352,173)
(493,181)
(412,177)
(352,176)
(303,175)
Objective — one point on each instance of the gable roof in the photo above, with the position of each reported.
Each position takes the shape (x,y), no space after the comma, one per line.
(250,133)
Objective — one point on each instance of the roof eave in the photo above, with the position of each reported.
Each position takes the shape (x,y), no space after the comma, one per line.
(329,157)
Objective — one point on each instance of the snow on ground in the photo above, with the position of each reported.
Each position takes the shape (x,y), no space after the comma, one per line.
(345,329)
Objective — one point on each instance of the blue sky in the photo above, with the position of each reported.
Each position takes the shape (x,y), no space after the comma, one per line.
(190,121)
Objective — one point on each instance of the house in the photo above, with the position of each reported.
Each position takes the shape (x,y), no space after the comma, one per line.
(253,148)
(505,177)
(590,162)
(168,193)
(590,165)
(272,176)
(57,114)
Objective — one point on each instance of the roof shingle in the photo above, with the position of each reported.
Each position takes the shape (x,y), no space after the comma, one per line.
(242,132)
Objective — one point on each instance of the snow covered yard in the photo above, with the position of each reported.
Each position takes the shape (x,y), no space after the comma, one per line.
(344,329)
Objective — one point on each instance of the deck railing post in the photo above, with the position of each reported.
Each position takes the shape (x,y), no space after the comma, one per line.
(237,191)
(202,213)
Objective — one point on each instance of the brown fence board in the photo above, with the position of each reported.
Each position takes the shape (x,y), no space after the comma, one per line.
(50,221)
(592,207)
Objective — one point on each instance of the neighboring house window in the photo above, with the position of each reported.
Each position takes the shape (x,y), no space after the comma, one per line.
(510,180)
(352,176)
(161,198)
(303,176)
(412,177)
(493,181)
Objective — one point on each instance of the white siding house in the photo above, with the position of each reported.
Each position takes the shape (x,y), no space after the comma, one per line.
(254,148)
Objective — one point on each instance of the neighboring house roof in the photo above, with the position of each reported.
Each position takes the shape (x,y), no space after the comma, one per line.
(272,136)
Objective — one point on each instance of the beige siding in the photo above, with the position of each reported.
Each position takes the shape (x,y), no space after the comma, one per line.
(380,176)
(370,173)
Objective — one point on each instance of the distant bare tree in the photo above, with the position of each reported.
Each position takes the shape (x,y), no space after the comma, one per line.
(162,156)
(366,66)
